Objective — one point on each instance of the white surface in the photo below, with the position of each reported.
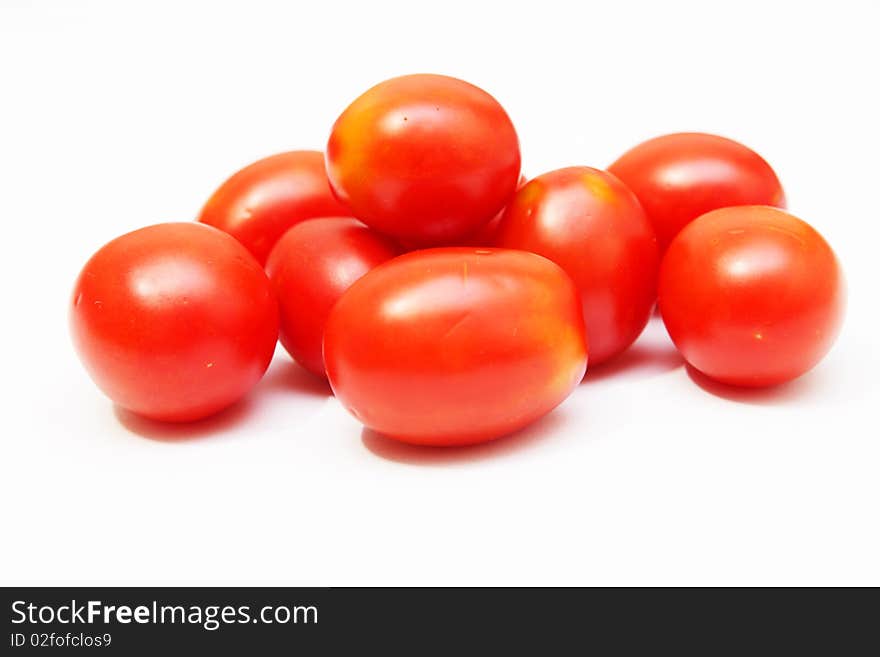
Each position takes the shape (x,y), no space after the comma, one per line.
(113,117)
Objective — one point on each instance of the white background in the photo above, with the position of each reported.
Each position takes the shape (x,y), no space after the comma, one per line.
(115,115)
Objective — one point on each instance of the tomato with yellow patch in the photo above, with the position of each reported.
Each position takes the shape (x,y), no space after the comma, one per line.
(454,346)
(426,159)
(590,224)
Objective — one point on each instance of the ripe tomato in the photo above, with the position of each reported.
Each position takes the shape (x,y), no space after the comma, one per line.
(456,345)
(426,159)
(751,296)
(590,224)
(679,177)
(310,267)
(260,202)
(174,321)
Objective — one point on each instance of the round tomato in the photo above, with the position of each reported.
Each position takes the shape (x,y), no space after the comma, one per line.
(457,345)
(590,224)
(679,177)
(174,321)
(751,296)
(426,159)
(260,202)
(310,267)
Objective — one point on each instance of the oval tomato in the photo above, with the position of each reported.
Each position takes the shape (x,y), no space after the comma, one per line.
(751,296)
(310,267)
(260,202)
(174,321)
(590,224)
(426,159)
(681,176)
(457,345)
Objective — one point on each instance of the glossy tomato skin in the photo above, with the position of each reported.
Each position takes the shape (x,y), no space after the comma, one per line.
(310,268)
(455,346)
(681,176)
(259,203)
(425,159)
(174,321)
(751,296)
(590,224)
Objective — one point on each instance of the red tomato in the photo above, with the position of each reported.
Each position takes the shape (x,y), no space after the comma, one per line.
(174,321)
(457,345)
(310,267)
(426,159)
(260,202)
(682,176)
(589,223)
(751,296)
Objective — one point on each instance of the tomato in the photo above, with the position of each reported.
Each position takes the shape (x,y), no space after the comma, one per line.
(589,223)
(426,159)
(751,296)
(679,177)
(174,321)
(454,346)
(260,202)
(310,267)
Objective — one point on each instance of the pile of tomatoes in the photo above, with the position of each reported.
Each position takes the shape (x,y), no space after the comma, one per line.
(447,299)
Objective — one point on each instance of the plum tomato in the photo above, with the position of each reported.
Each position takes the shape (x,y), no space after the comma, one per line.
(260,202)
(751,296)
(310,267)
(457,345)
(425,159)
(174,321)
(590,224)
(681,176)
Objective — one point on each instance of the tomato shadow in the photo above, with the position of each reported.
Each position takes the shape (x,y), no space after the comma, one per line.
(174,432)
(285,375)
(652,354)
(641,359)
(783,393)
(527,438)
